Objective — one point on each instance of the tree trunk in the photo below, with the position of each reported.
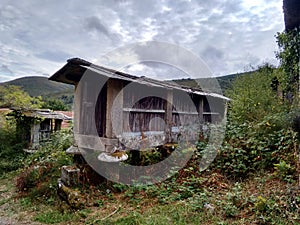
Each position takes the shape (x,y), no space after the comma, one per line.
(291,10)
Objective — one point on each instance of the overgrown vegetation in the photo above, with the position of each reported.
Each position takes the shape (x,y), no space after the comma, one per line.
(40,171)
(55,104)
(259,131)
(289,56)
(255,96)
(14,96)
(53,93)
(253,180)
(11,151)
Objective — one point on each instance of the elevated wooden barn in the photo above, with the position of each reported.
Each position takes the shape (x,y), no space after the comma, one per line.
(126,111)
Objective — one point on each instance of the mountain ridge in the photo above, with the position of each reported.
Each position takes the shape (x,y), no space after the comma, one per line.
(40,86)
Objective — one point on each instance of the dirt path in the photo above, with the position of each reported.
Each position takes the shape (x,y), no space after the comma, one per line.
(9,213)
(8,221)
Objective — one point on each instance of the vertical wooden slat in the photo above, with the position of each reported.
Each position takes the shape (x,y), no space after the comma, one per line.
(51,125)
(114,88)
(168,116)
(200,110)
(77,107)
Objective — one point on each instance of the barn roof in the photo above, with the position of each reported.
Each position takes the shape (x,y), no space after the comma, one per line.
(75,68)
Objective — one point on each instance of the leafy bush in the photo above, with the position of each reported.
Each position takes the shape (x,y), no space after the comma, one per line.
(252,147)
(258,133)
(284,170)
(253,96)
(42,168)
(11,150)
(289,56)
(55,104)
(14,96)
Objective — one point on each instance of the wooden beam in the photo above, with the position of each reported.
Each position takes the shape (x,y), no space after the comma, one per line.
(186,113)
(144,110)
(210,113)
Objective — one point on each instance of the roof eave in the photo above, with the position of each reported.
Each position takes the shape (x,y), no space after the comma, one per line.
(71,72)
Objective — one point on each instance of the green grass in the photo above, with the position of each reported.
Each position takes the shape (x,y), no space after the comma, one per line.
(54,217)
(169,214)
(180,214)
(262,199)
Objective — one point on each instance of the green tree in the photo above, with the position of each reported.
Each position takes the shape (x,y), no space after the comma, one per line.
(14,96)
(289,56)
(55,104)
(253,96)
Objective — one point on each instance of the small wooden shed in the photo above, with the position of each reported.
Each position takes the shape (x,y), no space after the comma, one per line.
(35,126)
(127,111)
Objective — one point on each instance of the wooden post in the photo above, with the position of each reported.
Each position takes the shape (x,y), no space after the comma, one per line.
(168,116)
(77,105)
(51,126)
(200,110)
(114,89)
(201,119)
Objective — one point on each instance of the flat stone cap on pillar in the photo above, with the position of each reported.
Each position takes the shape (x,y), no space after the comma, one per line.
(74,150)
(113,157)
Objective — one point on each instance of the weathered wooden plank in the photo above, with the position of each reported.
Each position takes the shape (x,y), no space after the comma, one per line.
(114,87)
(109,141)
(77,111)
(143,110)
(200,110)
(186,113)
(211,113)
(168,116)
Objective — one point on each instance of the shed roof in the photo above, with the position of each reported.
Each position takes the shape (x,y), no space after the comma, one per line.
(43,113)
(72,72)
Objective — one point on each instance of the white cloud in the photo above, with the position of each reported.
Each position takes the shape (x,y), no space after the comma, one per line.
(37,37)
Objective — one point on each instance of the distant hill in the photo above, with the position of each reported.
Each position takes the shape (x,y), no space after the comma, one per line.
(225,82)
(40,86)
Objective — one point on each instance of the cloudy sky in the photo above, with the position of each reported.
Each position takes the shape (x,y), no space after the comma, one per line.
(37,37)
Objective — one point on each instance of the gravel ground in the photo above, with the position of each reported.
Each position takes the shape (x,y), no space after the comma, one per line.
(8,221)
(9,215)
